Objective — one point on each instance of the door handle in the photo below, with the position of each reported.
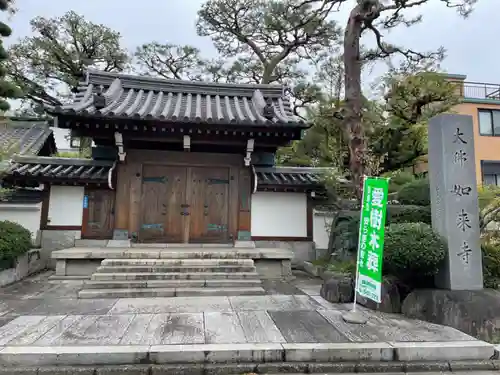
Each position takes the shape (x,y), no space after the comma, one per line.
(184,213)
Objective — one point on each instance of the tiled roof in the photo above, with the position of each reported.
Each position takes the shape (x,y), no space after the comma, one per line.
(22,196)
(277,178)
(63,170)
(139,97)
(25,138)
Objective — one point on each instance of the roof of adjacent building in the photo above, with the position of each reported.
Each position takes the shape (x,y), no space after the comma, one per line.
(21,196)
(60,170)
(141,97)
(288,178)
(26,137)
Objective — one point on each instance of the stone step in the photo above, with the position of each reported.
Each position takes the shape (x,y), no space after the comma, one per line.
(178,262)
(174,276)
(169,292)
(120,284)
(166,269)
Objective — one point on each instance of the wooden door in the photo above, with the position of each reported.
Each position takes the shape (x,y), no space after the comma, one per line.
(209,205)
(98,214)
(163,204)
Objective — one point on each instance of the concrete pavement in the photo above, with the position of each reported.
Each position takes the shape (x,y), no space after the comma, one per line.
(42,323)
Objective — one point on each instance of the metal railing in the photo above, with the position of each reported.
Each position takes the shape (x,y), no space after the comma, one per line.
(477,90)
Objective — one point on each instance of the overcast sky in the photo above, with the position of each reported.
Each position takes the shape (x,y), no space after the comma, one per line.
(471,45)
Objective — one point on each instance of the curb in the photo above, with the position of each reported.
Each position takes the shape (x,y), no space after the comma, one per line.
(485,367)
(200,354)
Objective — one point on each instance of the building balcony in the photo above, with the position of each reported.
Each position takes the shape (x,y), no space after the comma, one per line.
(481,91)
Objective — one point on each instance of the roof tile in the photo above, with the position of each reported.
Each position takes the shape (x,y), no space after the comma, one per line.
(139,97)
(24,138)
(44,169)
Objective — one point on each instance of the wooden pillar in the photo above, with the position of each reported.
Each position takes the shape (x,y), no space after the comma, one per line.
(122,200)
(134,199)
(244,212)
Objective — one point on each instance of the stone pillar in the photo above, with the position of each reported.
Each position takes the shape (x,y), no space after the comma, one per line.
(455,210)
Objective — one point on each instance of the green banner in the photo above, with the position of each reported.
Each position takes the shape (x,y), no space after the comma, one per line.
(371,238)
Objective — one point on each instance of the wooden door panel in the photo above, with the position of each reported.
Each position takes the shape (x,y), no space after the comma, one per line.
(163,195)
(99,215)
(209,205)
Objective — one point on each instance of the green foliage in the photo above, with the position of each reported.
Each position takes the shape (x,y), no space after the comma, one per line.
(398,179)
(490,248)
(275,35)
(346,230)
(412,251)
(55,58)
(8,90)
(343,266)
(416,193)
(15,240)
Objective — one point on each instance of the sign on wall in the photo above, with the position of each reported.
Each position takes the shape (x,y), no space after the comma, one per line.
(85,201)
(371,238)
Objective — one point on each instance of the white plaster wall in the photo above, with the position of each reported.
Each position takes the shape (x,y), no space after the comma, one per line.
(66,205)
(322,222)
(279,214)
(27,215)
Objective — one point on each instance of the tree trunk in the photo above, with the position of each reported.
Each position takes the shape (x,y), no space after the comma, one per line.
(353,99)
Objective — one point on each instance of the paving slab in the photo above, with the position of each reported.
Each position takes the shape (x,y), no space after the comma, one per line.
(171,305)
(225,327)
(305,327)
(259,327)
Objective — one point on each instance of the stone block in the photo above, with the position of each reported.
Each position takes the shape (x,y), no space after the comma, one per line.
(477,313)
(302,250)
(391,300)
(19,371)
(61,267)
(427,366)
(66,371)
(311,269)
(52,240)
(455,210)
(123,370)
(457,366)
(443,351)
(178,369)
(338,289)
(350,352)
(216,353)
(72,355)
(229,369)
(338,367)
(282,367)
(383,367)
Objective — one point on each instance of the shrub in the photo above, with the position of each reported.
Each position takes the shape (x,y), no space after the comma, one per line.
(15,240)
(347,227)
(412,252)
(416,193)
(397,214)
(490,249)
(399,179)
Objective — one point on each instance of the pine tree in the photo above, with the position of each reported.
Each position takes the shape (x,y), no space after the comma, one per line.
(7,89)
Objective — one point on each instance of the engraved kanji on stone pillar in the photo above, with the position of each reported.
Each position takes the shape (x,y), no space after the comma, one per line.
(455,210)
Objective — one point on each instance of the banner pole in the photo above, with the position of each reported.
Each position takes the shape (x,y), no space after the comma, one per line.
(358,249)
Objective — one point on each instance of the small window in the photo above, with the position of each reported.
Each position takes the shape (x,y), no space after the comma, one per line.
(489,122)
(490,179)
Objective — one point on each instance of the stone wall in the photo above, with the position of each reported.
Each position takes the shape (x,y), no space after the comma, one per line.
(25,265)
(302,250)
(56,240)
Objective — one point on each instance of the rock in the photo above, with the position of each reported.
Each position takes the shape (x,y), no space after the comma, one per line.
(391,300)
(311,269)
(475,312)
(338,289)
